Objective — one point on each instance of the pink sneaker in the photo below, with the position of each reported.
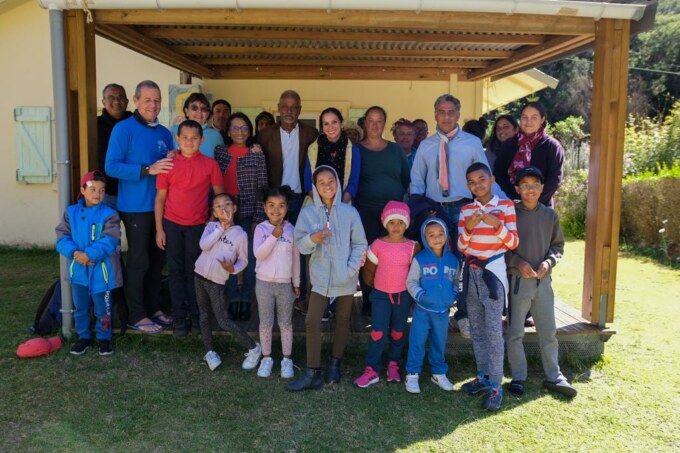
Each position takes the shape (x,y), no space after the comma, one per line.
(393,372)
(368,378)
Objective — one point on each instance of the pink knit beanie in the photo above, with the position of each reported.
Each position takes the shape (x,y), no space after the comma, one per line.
(396,210)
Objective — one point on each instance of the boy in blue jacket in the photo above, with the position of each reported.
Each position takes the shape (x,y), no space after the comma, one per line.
(89,237)
(431,283)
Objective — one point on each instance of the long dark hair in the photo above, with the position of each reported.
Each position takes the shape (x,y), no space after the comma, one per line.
(493,143)
(249,141)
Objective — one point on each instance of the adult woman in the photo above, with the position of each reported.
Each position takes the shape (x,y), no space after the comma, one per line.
(531,147)
(353,131)
(262,120)
(197,108)
(384,176)
(505,127)
(244,170)
(333,148)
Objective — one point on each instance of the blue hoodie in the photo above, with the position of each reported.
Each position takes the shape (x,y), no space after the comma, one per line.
(431,279)
(334,267)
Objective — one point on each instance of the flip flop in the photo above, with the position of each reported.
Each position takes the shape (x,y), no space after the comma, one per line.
(162,319)
(140,328)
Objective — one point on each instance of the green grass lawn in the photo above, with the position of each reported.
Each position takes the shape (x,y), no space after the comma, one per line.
(155,394)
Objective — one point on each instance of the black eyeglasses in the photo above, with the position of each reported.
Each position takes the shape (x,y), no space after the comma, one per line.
(196,108)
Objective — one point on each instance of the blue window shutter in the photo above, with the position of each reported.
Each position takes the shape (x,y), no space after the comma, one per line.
(33,143)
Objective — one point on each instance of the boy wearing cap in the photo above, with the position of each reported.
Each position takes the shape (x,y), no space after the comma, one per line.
(386,269)
(540,249)
(89,237)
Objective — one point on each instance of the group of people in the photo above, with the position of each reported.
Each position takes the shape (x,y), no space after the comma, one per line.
(303,215)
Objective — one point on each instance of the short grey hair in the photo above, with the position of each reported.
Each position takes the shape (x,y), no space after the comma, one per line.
(145,84)
(447,98)
(290,94)
(113,86)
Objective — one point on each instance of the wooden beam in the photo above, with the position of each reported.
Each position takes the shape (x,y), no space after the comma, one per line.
(338,62)
(132,39)
(333,73)
(410,20)
(531,56)
(326,52)
(610,77)
(314,35)
(81,83)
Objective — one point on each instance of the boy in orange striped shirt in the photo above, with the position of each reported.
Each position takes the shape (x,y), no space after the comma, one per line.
(486,230)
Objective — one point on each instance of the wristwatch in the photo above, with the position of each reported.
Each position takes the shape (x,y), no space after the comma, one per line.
(145,170)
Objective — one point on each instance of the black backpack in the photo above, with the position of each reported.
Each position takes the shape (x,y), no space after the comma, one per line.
(48,316)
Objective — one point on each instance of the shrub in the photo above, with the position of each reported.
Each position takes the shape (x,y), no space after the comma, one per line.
(571,202)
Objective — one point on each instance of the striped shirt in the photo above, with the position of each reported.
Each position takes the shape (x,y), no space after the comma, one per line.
(486,241)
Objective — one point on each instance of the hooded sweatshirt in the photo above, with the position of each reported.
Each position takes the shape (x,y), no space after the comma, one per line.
(334,266)
(431,279)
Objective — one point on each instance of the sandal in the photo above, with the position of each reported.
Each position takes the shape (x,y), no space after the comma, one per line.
(149,328)
(162,319)
(516,388)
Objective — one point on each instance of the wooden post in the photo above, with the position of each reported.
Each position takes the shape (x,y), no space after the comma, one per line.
(610,77)
(82,98)
(184,78)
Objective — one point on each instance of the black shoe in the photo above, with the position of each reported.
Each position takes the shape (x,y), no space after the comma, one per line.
(105,347)
(333,373)
(195,322)
(80,347)
(244,313)
(233,311)
(311,380)
(561,387)
(179,327)
(516,388)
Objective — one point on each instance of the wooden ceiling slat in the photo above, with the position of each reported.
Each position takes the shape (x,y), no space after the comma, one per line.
(530,57)
(310,35)
(321,52)
(409,20)
(332,73)
(130,38)
(337,62)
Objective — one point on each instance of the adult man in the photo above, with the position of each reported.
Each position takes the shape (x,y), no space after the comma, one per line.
(404,133)
(421,131)
(221,111)
(115,102)
(137,153)
(285,148)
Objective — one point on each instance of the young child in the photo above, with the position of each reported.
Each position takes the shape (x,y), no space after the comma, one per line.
(431,282)
(278,277)
(486,230)
(224,251)
(389,260)
(181,212)
(89,237)
(330,231)
(540,249)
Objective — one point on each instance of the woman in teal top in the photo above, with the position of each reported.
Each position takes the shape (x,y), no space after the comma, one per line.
(384,176)
(197,108)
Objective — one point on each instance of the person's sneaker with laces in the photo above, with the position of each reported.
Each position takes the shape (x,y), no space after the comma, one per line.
(80,347)
(442,381)
(493,399)
(478,384)
(287,370)
(105,347)
(412,385)
(252,357)
(393,372)
(213,360)
(464,327)
(266,366)
(367,378)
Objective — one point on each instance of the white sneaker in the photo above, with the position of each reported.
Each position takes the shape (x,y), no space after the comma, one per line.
(464,327)
(252,357)
(266,366)
(213,360)
(442,381)
(412,385)
(287,370)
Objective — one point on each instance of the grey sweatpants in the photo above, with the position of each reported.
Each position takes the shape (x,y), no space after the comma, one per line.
(275,300)
(210,299)
(535,295)
(486,327)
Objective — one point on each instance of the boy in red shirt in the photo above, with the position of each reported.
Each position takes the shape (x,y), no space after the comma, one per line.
(181,211)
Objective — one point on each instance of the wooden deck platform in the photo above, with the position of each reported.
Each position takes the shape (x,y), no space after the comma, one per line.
(575,334)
